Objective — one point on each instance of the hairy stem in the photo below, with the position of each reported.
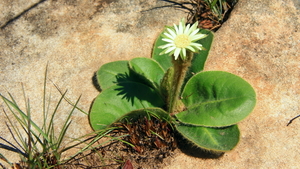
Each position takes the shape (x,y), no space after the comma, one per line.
(180,69)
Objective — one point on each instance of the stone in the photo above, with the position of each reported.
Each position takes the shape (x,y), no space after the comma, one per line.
(74,38)
(260,42)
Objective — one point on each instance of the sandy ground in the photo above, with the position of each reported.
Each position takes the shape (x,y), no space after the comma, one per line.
(260,42)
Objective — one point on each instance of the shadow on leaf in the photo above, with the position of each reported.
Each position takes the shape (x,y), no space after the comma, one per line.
(132,86)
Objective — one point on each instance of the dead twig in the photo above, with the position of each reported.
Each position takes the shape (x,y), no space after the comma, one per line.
(292,120)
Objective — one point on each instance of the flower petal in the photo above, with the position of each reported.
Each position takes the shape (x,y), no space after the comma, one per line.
(166,45)
(197,45)
(172,33)
(176,29)
(180,30)
(194,32)
(167,40)
(191,48)
(163,52)
(194,26)
(187,29)
(198,36)
(176,53)
(170,49)
(169,36)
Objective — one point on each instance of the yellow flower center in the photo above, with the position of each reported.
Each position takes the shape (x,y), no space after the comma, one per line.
(182,41)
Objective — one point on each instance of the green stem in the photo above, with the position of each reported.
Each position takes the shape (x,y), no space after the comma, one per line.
(180,69)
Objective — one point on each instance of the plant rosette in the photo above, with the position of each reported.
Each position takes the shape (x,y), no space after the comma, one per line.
(204,106)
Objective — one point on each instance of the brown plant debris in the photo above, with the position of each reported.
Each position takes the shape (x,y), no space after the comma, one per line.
(201,12)
(145,143)
(152,140)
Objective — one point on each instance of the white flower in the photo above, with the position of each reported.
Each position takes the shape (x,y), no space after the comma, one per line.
(181,38)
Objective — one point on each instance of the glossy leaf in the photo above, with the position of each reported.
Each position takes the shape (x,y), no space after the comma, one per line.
(106,75)
(148,70)
(199,59)
(217,139)
(118,100)
(164,60)
(216,99)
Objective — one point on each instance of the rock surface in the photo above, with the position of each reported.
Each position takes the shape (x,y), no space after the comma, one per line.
(260,42)
(75,38)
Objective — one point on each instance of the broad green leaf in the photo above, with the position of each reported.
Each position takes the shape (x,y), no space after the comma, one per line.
(106,75)
(118,100)
(216,99)
(217,139)
(164,60)
(199,58)
(148,70)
